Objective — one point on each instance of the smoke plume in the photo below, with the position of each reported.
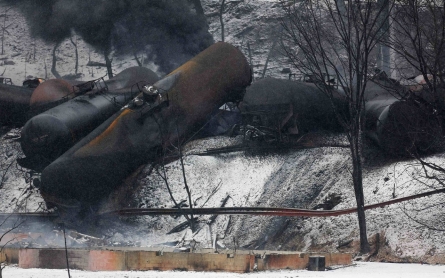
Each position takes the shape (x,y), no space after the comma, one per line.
(169,32)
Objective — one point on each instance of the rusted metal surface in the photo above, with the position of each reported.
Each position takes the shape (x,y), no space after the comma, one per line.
(142,131)
(49,91)
(53,132)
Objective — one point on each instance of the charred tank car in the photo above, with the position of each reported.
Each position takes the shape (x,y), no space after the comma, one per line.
(131,77)
(51,133)
(17,103)
(163,116)
(291,107)
(14,104)
(400,122)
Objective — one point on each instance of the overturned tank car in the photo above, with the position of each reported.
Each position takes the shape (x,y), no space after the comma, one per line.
(18,103)
(291,107)
(163,116)
(400,122)
(51,133)
(14,104)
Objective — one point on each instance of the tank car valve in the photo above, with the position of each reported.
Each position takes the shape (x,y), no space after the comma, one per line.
(151,93)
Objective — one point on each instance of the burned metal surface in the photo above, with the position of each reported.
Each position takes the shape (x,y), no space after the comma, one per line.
(53,132)
(18,103)
(32,83)
(14,104)
(399,122)
(130,77)
(291,107)
(140,132)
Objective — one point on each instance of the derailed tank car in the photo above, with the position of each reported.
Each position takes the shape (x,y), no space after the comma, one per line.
(398,121)
(51,133)
(18,103)
(14,104)
(291,107)
(165,115)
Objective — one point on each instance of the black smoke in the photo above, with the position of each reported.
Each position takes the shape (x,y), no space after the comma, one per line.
(169,31)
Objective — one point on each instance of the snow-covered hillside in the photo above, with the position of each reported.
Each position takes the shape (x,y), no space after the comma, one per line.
(253,23)
(297,178)
(26,58)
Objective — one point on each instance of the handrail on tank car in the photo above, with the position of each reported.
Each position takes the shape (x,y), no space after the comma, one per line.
(88,86)
(327,79)
(5,80)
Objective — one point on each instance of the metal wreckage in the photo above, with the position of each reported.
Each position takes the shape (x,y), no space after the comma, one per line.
(89,137)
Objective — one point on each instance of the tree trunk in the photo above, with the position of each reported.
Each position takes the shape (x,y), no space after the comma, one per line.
(108,63)
(46,69)
(137,59)
(53,66)
(221,13)
(383,61)
(4,30)
(268,58)
(357,179)
(76,67)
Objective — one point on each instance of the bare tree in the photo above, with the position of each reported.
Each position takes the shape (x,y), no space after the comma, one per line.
(53,66)
(164,176)
(225,8)
(46,68)
(419,41)
(275,40)
(163,173)
(76,52)
(221,13)
(337,38)
(5,28)
(108,62)
(136,58)
(9,223)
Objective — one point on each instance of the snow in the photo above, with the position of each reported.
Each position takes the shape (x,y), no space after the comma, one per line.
(360,269)
(26,58)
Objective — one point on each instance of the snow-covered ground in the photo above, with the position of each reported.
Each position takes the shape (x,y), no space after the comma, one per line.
(298,179)
(360,269)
